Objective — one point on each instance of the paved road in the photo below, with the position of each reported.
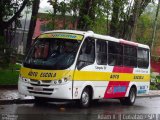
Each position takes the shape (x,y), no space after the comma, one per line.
(148,107)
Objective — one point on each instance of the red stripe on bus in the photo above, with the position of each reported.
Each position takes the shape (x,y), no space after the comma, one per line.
(116,89)
(128,42)
(119,69)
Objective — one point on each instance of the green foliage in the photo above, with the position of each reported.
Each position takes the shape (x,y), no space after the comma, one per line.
(8,77)
(153,87)
(145,25)
(8,56)
(104,17)
(10,11)
(100,26)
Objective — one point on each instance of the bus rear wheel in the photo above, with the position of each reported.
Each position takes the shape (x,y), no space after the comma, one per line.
(130,100)
(85,99)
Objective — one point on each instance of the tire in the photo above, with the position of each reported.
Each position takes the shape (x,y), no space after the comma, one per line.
(130,100)
(85,100)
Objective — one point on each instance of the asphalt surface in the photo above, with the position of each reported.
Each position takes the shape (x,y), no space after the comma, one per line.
(145,108)
(11,96)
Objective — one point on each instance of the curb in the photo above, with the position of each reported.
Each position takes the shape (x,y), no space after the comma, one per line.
(143,96)
(16,101)
(9,87)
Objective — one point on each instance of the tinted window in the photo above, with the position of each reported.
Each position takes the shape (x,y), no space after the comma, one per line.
(52,53)
(101,52)
(87,53)
(115,54)
(130,56)
(143,58)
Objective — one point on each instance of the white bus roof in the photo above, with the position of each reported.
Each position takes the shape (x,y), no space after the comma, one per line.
(104,37)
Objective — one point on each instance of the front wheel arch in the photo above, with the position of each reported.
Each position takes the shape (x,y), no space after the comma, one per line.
(89,91)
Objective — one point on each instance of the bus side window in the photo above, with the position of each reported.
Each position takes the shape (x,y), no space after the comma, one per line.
(101,52)
(130,56)
(143,58)
(87,53)
(115,54)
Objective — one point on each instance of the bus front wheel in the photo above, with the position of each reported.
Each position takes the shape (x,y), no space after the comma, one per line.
(85,99)
(130,100)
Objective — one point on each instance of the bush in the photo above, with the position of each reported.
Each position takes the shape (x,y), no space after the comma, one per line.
(153,87)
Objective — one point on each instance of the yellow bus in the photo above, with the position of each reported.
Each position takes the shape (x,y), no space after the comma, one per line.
(84,66)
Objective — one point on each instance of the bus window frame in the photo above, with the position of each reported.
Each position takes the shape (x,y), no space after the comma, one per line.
(148,52)
(80,48)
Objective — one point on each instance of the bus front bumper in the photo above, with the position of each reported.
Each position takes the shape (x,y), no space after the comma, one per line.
(52,91)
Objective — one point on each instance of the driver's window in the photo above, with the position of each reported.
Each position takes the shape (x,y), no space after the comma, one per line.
(87,53)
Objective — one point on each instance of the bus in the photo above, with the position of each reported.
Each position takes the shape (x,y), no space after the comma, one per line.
(85,67)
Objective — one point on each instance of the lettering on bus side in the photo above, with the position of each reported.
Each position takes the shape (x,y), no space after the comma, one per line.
(33,74)
(44,74)
(114,77)
(139,77)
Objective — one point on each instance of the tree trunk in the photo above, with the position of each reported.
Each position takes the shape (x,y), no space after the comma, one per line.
(85,14)
(135,17)
(35,8)
(115,16)
(55,8)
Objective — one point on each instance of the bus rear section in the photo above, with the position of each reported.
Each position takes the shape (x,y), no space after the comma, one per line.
(111,68)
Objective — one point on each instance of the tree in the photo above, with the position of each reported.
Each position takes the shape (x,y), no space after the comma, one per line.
(127,17)
(10,11)
(114,26)
(87,14)
(35,8)
(155,24)
(63,8)
(10,8)
(74,9)
(52,16)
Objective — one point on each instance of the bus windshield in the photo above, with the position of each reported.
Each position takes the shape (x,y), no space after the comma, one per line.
(52,53)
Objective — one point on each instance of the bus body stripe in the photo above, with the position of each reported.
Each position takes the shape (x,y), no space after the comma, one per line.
(116,89)
(118,69)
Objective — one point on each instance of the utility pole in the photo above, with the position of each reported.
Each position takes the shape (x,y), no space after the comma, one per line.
(155,25)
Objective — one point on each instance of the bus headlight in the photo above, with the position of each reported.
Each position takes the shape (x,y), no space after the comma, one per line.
(62,81)
(59,81)
(55,82)
(65,79)
(26,80)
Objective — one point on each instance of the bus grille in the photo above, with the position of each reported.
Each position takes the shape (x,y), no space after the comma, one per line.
(45,83)
(44,91)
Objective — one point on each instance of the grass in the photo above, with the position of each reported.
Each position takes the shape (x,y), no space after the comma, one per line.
(10,75)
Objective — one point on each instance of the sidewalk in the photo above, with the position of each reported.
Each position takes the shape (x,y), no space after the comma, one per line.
(9,96)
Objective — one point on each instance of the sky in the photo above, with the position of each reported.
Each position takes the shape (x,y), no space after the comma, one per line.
(44,6)
(44,3)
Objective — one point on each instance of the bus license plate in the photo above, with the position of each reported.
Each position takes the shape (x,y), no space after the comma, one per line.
(38,89)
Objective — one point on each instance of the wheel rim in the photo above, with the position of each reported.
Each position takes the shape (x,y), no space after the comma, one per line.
(132,96)
(85,98)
